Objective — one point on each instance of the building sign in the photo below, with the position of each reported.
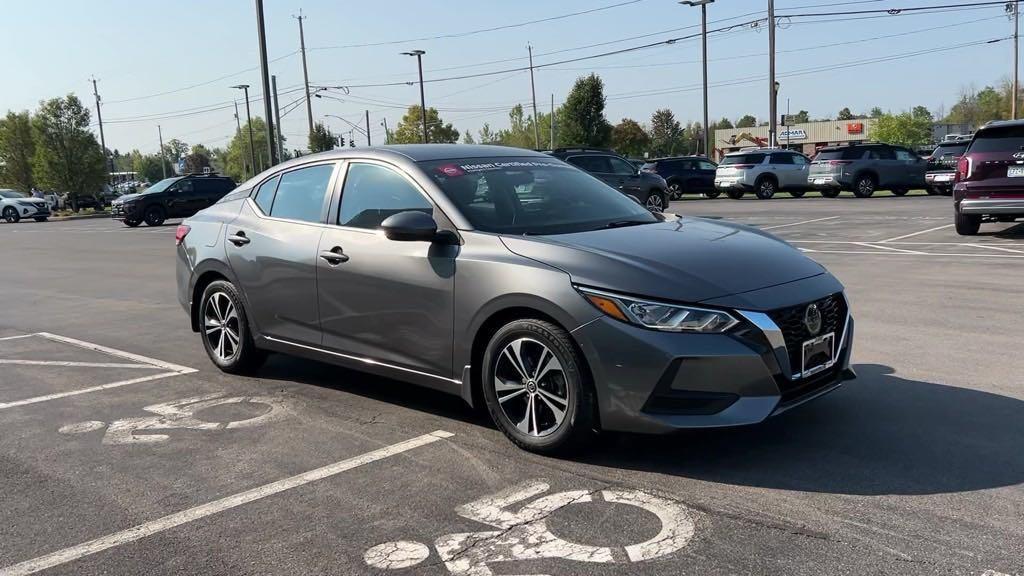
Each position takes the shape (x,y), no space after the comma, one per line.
(794,134)
(855,128)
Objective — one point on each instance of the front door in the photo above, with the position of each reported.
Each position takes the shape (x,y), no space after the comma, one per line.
(272,249)
(381,300)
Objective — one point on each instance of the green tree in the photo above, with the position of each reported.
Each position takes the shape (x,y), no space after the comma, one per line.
(410,128)
(630,139)
(175,150)
(487,135)
(723,124)
(237,160)
(197,160)
(845,114)
(17,149)
(801,117)
(876,112)
(904,129)
(148,168)
(581,119)
(321,138)
(67,157)
(747,121)
(666,133)
(467,138)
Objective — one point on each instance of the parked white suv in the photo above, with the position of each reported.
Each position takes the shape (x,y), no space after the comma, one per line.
(14,206)
(763,171)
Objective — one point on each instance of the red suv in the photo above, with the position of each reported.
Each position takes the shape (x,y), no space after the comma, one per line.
(990,177)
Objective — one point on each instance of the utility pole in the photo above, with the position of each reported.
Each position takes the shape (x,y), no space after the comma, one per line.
(99,118)
(1015,6)
(238,125)
(552,121)
(387,135)
(423,101)
(248,121)
(268,108)
(277,120)
(533,92)
(163,160)
(368,128)
(772,85)
(704,42)
(305,69)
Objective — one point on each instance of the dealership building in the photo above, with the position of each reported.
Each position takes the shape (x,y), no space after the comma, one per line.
(806,138)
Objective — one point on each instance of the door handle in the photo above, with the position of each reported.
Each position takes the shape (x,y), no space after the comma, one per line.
(334,256)
(239,239)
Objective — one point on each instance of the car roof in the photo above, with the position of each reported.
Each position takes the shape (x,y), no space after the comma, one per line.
(425,152)
(678,158)
(1002,124)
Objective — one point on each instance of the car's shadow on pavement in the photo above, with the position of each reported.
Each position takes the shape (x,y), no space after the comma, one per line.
(880,434)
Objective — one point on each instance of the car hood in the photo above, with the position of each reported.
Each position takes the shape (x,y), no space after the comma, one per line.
(125,198)
(685,259)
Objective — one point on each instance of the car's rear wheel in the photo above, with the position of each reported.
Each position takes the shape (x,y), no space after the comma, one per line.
(864,187)
(132,223)
(155,216)
(932,191)
(734,193)
(712,193)
(967,224)
(830,192)
(11,215)
(797,193)
(675,191)
(535,387)
(765,188)
(656,201)
(224,326)
(900,191)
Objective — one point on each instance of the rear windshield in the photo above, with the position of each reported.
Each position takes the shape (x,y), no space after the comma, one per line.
(743,159)
(840,154)
(950,150)
(999,139)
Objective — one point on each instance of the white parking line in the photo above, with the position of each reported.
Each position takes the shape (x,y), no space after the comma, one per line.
(38,399)
(119,353)
(870,245)
(199,512)
(64,363)
(16,337)
(799,223)
(991,247)
(912,234)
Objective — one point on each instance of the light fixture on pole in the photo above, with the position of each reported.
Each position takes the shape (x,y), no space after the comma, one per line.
(248,120)
(704,42)
(775,107)
(423,102)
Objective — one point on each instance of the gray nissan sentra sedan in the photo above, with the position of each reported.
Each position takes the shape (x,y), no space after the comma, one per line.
(518,282)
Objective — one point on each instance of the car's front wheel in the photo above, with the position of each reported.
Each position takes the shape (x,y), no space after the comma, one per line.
(131,223)
(967,224)
(11,215)
(535,387)
(656,201)
(224,326)
(734,193)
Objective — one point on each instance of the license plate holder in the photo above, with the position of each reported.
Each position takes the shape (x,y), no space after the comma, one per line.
(817,354)
(1015,172)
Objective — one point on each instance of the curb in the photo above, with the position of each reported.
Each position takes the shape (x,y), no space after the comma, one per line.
(82,217)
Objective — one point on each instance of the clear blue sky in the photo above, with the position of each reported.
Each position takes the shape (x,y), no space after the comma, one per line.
(137,48)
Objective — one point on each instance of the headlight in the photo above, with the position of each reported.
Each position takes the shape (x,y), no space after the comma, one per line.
(659,315)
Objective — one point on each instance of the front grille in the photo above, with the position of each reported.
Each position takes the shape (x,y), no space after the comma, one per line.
(791,322)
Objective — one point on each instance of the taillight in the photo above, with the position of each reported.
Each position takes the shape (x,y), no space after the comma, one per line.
(180,233)
(963,169)
(839,162)
(741,166)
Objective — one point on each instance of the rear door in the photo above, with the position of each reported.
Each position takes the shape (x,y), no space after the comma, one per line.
(597,165)
(996,158)
(626,175)
(913,167)
(706,175)
(785,170)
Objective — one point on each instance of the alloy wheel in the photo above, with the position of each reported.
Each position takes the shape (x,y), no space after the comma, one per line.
(654,202)
(530,386)
(221,326)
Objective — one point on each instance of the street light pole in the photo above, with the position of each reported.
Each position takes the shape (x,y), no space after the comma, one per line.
(268,108)
(772,84)
(1015,6)
(368,142)
(387,135)
(305,69)
(248,120)
(533,93)
(423,101)
(278,140)
(163,160)
(704,48)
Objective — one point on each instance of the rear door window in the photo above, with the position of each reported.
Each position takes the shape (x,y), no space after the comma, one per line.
(851,153)
(999,139)
(621,167)
(705,165)
(300,194)
(264,197)
(906,155)
(598,164)
(782,159)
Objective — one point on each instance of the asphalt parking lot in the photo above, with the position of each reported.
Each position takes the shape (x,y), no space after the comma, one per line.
(123,451)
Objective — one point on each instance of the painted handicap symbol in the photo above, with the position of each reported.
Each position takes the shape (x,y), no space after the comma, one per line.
(179,415)
(524,535)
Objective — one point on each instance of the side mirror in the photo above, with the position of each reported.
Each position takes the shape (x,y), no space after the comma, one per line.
(410,226)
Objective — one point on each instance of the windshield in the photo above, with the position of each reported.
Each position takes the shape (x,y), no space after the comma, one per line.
(532,196)
(949,150)
(161,185)
(11,194)
(999,139)
(742,159)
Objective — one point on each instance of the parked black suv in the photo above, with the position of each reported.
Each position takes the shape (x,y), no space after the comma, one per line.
(177,197)
(942,166)
(685,175)
(617,172)
(865,167)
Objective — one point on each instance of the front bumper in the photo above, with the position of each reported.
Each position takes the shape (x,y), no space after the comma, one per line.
(992,206)
(26,211)
(124,212)
(826,182)
(655,382)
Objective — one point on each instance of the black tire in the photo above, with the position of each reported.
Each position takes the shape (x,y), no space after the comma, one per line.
(154,215)
(830,192)
(712,194)
(74,206)
(656,201)
(675,190)
(11,215)
(900,191)
(734,193)
(577,424)
(932,191)
(765,188)
(967,224)
(132,223)
(864,187)
(40,218)
(244,358)
(797,193)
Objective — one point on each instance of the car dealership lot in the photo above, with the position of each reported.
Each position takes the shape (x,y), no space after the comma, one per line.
(914,468)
